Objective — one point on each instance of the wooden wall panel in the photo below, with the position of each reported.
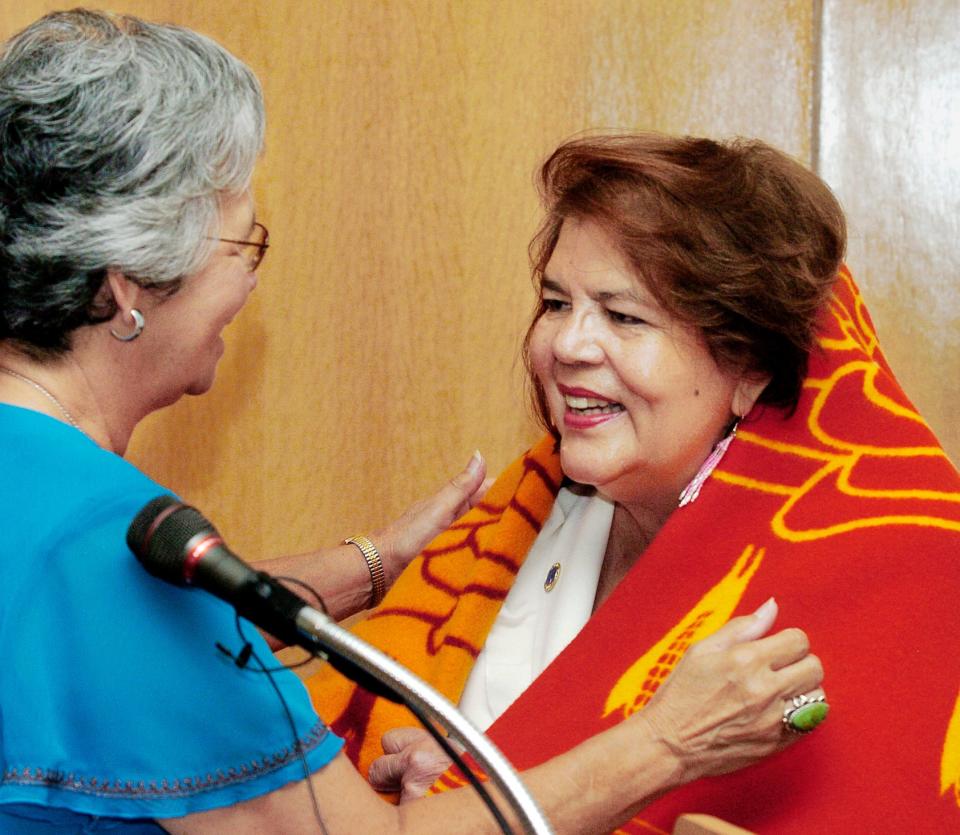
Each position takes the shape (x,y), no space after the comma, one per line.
(890,147)
(380,347)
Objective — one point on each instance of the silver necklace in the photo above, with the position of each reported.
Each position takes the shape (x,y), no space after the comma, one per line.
(44,392)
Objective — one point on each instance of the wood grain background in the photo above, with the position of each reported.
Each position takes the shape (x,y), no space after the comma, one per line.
(380,347)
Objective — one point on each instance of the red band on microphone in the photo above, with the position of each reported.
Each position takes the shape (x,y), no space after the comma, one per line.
(160,517)
(196,554)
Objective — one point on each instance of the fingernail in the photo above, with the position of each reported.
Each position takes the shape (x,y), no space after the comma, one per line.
(765,608)
(475,461)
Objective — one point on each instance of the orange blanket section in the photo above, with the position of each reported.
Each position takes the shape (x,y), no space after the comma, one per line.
(848,512)
(437,615)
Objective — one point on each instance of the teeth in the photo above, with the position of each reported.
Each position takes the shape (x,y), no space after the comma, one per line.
(591,405)
(584,402)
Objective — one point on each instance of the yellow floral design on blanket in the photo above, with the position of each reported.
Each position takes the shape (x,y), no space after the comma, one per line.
(832,478)
(950,761)
(638,684)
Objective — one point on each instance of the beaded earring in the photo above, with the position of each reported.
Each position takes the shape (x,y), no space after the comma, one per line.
(692,490)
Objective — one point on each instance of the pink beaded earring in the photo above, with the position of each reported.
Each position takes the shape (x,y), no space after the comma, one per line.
(692,490)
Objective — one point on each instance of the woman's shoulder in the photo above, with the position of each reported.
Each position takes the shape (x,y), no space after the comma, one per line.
(52,474)
(65,505)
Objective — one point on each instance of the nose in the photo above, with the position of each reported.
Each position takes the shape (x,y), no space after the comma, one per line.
(576,339)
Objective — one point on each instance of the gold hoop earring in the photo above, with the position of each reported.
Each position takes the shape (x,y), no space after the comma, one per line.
(138,323)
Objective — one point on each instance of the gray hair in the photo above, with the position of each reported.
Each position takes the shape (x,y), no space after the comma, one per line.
(119,137)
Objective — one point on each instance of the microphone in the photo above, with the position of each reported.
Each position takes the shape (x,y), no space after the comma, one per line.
(176,543)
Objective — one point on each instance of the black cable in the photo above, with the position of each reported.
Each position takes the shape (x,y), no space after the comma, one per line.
(308,587)
(310,656)
(247,652)
(468,772)
(439,737)
(242,659)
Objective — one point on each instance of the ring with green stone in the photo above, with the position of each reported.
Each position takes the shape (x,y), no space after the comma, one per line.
(803,713)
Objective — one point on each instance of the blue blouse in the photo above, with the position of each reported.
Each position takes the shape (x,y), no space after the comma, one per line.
(116,707)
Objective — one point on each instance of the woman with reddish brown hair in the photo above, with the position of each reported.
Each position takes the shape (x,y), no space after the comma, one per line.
(721,427)
(734,239)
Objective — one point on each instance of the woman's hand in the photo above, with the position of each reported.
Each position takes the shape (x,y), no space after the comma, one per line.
(411,764)
(340,575)
(722,708)
(400,541)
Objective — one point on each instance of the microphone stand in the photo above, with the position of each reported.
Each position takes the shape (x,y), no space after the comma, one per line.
(422,699)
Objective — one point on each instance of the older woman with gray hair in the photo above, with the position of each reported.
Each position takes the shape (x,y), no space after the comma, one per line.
(128,241)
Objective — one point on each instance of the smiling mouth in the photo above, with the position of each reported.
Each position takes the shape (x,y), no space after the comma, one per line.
(591,405)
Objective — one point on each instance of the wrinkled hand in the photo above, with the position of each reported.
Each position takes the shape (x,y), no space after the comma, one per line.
(403,539)
(722,708)
(411,764)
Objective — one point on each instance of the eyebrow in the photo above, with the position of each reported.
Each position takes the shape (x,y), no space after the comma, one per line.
(633,294)
(550,284)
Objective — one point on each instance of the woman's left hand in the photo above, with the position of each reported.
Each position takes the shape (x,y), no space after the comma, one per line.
(400,541)
(340,575)
(722,707)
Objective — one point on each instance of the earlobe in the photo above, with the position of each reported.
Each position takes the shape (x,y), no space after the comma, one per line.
(125,294)
(748,391)
(138,324)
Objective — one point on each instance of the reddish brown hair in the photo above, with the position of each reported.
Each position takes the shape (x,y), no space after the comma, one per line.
(734,238)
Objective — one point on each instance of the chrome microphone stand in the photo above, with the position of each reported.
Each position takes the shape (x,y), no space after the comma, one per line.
(422,699)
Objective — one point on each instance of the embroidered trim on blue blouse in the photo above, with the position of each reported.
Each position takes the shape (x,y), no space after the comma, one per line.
(184,787)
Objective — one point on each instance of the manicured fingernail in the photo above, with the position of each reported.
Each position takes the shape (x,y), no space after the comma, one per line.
(475,461)
(764,610)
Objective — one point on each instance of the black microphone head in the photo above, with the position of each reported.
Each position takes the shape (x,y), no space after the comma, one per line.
(139,528)
(160,533)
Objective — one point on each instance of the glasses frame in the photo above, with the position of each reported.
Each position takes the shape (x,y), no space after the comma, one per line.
(256,249)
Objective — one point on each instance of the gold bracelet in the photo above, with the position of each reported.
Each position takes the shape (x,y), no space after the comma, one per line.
(370,553)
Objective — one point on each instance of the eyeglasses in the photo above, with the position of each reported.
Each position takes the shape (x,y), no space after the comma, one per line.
(253,250)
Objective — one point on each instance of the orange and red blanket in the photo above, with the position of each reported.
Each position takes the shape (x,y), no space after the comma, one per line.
(848,513)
